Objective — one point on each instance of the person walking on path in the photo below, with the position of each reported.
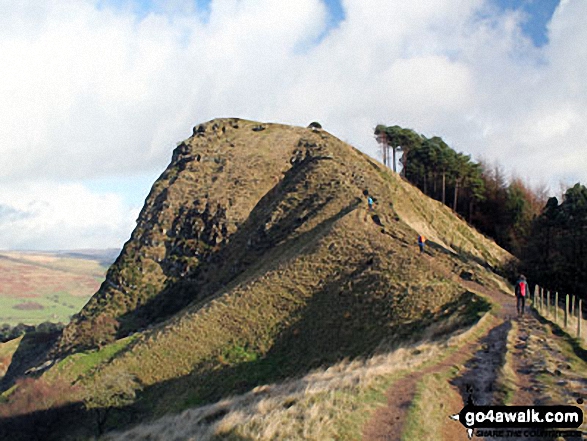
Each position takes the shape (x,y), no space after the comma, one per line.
(421,242)
(521,291)
(370,203)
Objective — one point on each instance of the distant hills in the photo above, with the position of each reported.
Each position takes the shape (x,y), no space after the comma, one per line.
(38,286)
(106,256)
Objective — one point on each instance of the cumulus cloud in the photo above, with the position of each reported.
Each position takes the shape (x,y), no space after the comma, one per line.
(46,216)
(91,91)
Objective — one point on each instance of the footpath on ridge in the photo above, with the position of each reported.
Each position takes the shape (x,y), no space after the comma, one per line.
(543,369)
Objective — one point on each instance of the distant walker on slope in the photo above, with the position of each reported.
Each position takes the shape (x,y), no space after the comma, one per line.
(521,291)
(421,242)
(370,203)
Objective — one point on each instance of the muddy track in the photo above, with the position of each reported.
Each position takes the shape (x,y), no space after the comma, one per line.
(543,373)
(537,360)
(387,423)
(477,383)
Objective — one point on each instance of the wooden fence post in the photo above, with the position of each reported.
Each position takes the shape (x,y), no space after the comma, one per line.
(566,311)
(573,305)
(579,314)
(539,302)
(556,307)
(548,303)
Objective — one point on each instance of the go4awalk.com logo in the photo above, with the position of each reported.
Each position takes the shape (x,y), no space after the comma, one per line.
(518,421)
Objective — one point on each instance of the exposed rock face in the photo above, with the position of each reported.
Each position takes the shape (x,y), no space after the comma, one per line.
(214,180)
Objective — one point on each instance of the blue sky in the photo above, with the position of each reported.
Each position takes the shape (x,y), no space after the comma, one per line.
(97,94)
(537,14)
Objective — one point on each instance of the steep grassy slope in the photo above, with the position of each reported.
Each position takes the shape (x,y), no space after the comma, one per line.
(223,181)
(255,259)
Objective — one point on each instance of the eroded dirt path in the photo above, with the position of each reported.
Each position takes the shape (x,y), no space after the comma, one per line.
(387,423)
(544,373)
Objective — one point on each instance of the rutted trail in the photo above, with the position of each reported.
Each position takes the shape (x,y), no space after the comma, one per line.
(478,381)
(543,373)
(388,422)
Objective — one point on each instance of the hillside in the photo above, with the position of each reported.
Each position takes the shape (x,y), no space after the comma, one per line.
(256,259)
(238,189)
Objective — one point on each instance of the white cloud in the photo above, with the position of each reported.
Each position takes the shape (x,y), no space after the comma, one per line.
(89,92)
(45,216)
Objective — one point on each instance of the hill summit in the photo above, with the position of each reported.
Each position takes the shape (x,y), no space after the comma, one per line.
(256,258)
(240,198)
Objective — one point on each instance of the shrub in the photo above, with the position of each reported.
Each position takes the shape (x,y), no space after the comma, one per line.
(8,332)
(116,390)
(97,332)
(36,394)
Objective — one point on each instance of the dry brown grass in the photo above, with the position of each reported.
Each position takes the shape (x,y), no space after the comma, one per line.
(25,275)
(315,407)
(7,350)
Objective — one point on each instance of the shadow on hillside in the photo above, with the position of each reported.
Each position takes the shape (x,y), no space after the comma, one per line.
(560,332)
(323,335)
(439,248)
(31,352)
(62,423)
(247,246)
(71,423)
(464,256)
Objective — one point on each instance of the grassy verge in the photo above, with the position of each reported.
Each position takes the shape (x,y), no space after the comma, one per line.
(569,333)
(428,413)
(506,382)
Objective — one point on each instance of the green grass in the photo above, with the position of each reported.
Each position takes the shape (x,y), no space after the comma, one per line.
(58,286)
(427,414)
(79,364)
(57,307)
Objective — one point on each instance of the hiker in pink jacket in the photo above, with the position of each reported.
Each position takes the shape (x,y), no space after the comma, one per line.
(521,293)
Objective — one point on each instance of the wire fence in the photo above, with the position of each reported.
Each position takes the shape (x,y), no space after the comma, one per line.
(566,310)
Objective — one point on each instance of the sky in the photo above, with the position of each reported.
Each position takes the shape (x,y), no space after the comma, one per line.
(95,94)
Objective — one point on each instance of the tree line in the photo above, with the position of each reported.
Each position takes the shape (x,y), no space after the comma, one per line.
(548,236)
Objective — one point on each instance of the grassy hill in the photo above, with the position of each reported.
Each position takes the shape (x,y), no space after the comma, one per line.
(37,287)
(255,259)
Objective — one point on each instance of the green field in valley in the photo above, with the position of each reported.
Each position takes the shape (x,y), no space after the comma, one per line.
(39,286)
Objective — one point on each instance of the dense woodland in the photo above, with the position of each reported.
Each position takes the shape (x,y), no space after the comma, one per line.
(548,236)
